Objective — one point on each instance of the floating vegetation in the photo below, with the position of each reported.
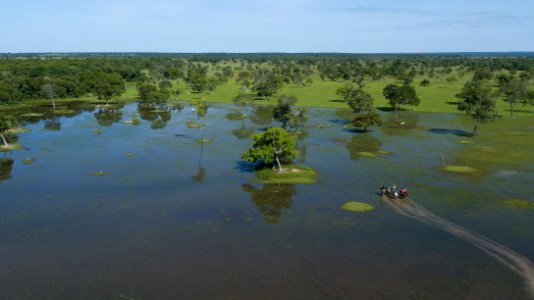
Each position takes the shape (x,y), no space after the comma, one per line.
(98,131)
(31,115)
(519,203)
(99,173)
(64,112)
(357,206)
(466,142)
(459,169)
(10,147)
(204,141)
(129,154)
(236,116)
(289,174)
(367,154)
(193,124)
(17,130)
(132,122)
(384,152)
(28,161)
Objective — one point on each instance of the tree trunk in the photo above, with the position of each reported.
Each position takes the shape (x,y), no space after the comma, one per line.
(279,164)
(4,140)
(511,110)
(54,104)
(475,130)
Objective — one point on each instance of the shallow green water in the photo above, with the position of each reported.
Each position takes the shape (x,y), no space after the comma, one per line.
(109,209)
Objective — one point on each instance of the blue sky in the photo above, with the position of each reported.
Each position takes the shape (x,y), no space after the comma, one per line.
(266,26)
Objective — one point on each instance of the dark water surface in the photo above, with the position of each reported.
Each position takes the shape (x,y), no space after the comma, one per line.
(173,218)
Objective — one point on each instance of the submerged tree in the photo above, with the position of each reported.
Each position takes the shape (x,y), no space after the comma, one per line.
(6,122)
(361,103)
(50,92)
(283,112)
(271,147)
(478,101)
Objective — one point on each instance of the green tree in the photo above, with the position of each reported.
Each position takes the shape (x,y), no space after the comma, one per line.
(401,95)
(361,103)
(283,112)
(515,91)
(478,101)
(270,147)
(108,86)
(367,119)
(266,83)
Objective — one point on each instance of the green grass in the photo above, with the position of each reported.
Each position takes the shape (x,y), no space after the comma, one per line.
(439,96)
(292,174)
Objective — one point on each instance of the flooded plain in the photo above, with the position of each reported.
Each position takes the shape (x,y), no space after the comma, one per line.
(143,203)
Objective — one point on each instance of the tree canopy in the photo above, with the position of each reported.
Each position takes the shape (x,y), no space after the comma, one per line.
(478,101)
(271,147)
(401,95)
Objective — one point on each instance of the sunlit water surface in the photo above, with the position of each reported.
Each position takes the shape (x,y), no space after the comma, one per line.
(171,218)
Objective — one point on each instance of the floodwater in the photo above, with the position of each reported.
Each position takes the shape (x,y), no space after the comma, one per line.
(97,207)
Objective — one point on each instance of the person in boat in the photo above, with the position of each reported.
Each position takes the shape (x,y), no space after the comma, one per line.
(404,192)
(383,190)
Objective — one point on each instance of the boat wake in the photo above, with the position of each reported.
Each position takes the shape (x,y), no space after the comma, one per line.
(508,257)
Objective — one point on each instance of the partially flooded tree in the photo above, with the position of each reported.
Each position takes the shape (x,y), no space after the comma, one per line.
(6,122)
(50,92)
(478,101)
(271,147)
(283,112)
(361,103)
(108,86)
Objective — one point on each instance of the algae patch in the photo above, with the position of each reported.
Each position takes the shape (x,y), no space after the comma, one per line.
(99,173)
(132,122)
(193,124)
(459,169)
(236,116)
(64,112)
(32,115)
(357,206)
(519,203)
(367,154)
(28,161)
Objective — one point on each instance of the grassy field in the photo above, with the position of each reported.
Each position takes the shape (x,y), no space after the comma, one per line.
(439,96)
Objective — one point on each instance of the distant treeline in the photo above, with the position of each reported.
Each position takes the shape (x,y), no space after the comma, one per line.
(57,75)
